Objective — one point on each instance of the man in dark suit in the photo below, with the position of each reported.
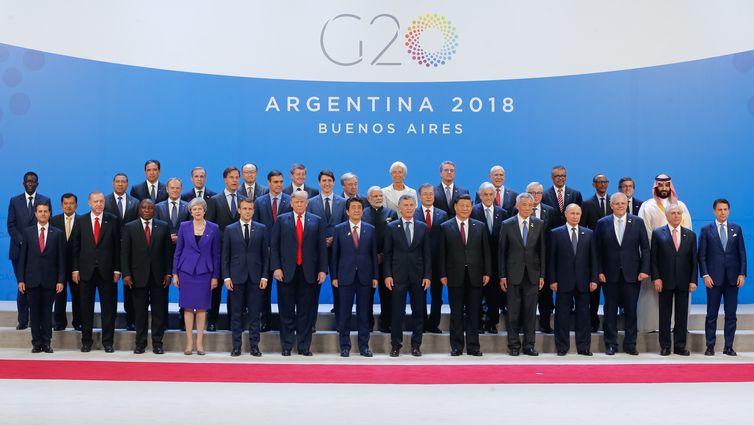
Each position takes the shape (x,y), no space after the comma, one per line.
(447,192)
(198,178)
(627,186)
(505,198)
(350,184)
(96,266)
(572,275)
(354,272)
(222,210)
(408,270)
(173,211)
(492,216)
(20,216)
(151,188)
(298,181)
(559,195)
(65,222)
(298,258)
(146,265)
(521,263)
(674,268)
(623,251)
(40,274)
(245,270)
(379,216)
(250,189)
(722,264)
(433,218)
(465,267)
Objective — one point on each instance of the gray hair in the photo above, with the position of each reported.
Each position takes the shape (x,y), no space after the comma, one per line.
(447,162)
(673,207)
(197,168)
(425,186)
(532,185)
(372,189)
(497,167)
(571,206)
(618,195)
(347,176)
(405,197)
(198,201)
(522,196)
(485,185)
(399,164)
(174,179)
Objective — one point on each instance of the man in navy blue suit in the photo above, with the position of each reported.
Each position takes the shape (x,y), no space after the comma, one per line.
(65,222)
(298,258)
(447,192)
(505,198)
(354,272)
(20,216)
(560,195)
(298,181)
(249,187)
(722,264)
(572,275)
(627,186)
(592,210)
(623,252)
(674,268)
(199,190)
(408,270)
(245,269)
(433,218)
(40,274)
(173,210)
(151,188)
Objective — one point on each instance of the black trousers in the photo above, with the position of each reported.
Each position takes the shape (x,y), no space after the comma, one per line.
(363,294)
(626,294)
(245,295)
(265,306)
(728,293)
(61,303)
(155,296)
(545,303)
(418,309)
(128,305)
(432,321)
(22,303)
(493,295)
(294,305)
(564,303)
(385,309)
(40,310)
(108,302)
(214,311)
(670,298)
(522,312)
(594,306)
(465,304)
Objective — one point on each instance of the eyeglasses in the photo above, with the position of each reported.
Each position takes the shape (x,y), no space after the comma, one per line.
(535,193)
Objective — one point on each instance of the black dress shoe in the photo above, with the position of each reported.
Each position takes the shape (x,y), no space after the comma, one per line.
(585,353)
(86,348)
(78,327)
(265,328)
(631,351)
(416,352)
(530,351)
(385,329)
(610,351)
(254,351)
(345,352)
(286,353)
(475,353)
(728,351)
(235,352)
(682,352)
(59,328)
(456,353)
(47,349)
(305,353)
(395,352)
(366,353)
(665,351)
(547,329)
(158,350)
(130,327)
(434,330)
(21,327)
(139,350)
(710,351)
(211,327)
(562,353)
(595,328)
(109,349)
(36,350)
(514,352)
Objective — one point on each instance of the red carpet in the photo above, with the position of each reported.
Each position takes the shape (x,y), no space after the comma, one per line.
(375,374)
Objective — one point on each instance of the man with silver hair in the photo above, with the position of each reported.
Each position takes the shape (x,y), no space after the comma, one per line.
(350,184)
(393,192)
(378,216)
(505,198)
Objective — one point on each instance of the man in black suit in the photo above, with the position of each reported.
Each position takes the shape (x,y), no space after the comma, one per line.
(447,192)
(245,269)
(151,188)
(96,266)
(465,267)
(174,210)
(146,263)
(40,274)
(298,181)
(250,189)
(350,184)
(627,186)
(408,270)
(572,275)
(674,274)
(559,195)
(433,218)
(492,216)
(198,178)
(65,223)
(521,262)
(623,251)
(20,216)
(505,198)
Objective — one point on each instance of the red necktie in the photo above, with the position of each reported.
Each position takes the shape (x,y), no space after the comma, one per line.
(42,239)
(300,238)
(560,199)
(147,233)
(497,197)
(463,233)
(428,219)
(355,235)
(275,209)
(96,230)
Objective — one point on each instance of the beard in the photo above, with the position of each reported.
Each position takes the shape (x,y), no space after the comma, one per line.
(662,193)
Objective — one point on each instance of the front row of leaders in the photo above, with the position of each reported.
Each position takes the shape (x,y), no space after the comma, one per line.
(617,254)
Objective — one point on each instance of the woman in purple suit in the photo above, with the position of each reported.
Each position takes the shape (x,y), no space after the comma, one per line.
(196,269)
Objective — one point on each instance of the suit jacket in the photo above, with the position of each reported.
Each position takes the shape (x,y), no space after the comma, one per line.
(20,218)
(284,247)
(591,211)
(572,271)
(259,190)
(162,212)
(514,258)
(41,269)
(435,234)
(379,218)
(441,201)
(455,257)
(218,210)
(549,215)
(635,205)
(676,268)
(408,264)
(191,194)
(141,191)
(104,255)
(337,212)
(350,261)
(141,260)
(201,258)
(627,259)
(58,222)
(508,199)
(722,265)
(570,196)
(130,205)
(263,208)
(242,261)
(310,190)
(498,216)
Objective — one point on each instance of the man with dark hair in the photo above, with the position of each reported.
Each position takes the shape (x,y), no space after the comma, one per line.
(199,189)
(627,186)
(447,192)
(560,196)
(65,222)
(151,188)
(298,181)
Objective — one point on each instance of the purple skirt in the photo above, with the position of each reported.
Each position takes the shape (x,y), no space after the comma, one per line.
(195,291)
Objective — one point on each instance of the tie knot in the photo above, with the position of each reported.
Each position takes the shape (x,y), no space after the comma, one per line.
(275,199)
(146,223)
(232,195)
(120,198)
(43,228)
(355,228)
(246,225)
(96,219)
(299,217)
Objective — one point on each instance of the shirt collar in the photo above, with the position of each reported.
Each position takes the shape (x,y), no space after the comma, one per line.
(244,222)
(354,224)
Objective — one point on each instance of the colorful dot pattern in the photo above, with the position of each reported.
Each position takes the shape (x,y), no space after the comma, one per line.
(413,40)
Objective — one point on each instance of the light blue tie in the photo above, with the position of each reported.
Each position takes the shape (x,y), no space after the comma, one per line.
(723,236)
(525,232)
(621,229)
(488,212)
(407,226)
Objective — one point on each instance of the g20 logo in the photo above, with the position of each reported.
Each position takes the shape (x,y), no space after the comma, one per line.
(430,40)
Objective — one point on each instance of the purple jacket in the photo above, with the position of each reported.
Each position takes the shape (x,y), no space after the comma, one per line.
(197,259)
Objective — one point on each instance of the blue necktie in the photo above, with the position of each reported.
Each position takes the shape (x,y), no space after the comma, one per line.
(31,205)
(525,232)
(233,208)
(120,206)
(174,216)
(723,236)
(328,211)
(574,240)
(407,226)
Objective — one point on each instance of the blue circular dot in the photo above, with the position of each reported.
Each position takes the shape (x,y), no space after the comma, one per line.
(34,60)
(4,53)
(19,103)
(12,77)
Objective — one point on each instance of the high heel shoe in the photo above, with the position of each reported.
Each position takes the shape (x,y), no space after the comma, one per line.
(187,352)
(200,352)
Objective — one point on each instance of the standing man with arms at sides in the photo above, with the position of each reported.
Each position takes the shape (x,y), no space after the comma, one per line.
(722,264)
(222,210)
(623,252)
(151,188)
(393,192)
(21,214)
(350,184)
(433,218)
(627,186)
(250,189)
(96,267)
(267,208)
(521,262)
(298,182)
(198,178)
(505,198)
(408,270)
(40,274)
(380,216)
(65,223)
(298,258)
(147,263)
(465,268)
(447,192)
(354,272)
(560,195)
(572,275)
(245,266)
